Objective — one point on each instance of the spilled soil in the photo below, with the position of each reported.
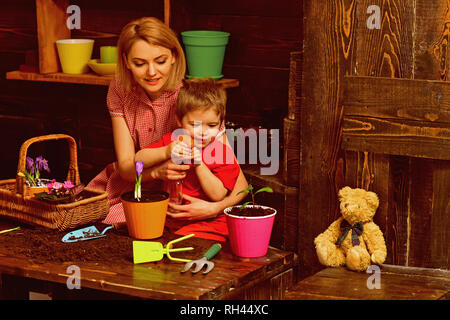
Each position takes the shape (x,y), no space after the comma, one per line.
(44,245)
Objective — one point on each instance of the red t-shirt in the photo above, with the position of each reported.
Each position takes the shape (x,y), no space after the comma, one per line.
(220,160)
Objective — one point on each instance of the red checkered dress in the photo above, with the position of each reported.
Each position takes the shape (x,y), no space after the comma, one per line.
(147,121)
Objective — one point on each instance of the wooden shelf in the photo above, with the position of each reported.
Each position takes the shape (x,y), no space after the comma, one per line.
(87,78)
(51,26)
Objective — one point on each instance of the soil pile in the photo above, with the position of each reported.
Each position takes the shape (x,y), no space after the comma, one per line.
(251,211)
(44,245)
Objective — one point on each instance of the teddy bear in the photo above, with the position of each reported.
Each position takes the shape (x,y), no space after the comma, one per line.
(354,239)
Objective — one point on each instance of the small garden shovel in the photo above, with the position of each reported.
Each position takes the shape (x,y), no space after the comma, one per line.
(87,233)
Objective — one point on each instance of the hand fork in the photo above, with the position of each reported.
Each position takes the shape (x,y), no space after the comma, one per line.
(200,263)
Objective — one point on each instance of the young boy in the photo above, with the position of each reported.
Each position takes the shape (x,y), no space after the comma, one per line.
(200,114)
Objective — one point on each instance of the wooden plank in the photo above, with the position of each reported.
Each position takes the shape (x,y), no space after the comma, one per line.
(432,62)
(253,81)
(291,158)
(384,52)
(387,98)
(431,33)
(421,210)
(291,208)
(395,284)
(51,26)
(255,40)
(440,222)
(167,12)
(328,55)
(87,78)
(291,8)
(398,137)
(397,116)
(396,231)
(295,86)
(17,26)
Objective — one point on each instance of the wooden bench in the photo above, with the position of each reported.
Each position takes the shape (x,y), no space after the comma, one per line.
(395,283)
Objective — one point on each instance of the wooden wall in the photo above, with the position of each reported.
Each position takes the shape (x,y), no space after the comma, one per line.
(263,34)
(414,192)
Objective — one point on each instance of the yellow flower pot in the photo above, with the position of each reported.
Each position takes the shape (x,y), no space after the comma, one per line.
(74,55)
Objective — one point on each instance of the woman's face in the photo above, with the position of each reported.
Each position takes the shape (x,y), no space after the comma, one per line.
(150,66)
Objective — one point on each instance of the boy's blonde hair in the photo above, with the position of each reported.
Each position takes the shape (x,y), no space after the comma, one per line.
(201,94)
(154,32)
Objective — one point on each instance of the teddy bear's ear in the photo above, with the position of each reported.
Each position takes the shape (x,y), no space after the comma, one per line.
(372,200)
(344,192)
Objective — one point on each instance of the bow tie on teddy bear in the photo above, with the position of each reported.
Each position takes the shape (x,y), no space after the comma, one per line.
(357,230)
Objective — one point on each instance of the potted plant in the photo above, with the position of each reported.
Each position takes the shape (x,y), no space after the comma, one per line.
(145,210)
(250,226)
(32,173)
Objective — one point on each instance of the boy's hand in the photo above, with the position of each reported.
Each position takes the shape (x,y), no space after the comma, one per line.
(169,171)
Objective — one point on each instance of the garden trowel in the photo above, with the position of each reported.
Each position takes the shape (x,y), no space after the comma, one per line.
(87,233)
(149,251)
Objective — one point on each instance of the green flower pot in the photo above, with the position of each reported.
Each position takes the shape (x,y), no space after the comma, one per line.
(205,51)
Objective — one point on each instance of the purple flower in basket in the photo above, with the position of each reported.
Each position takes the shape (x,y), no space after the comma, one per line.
(33,170)
(30,165)
(42,164)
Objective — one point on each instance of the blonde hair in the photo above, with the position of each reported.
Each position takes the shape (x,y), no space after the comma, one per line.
(201,94)
(154,32)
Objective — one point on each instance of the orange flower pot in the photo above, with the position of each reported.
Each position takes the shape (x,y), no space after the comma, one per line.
(145,218)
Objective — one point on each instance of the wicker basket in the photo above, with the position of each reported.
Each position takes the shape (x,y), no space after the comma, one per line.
(15,203)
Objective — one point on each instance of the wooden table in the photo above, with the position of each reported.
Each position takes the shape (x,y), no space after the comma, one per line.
(232,278)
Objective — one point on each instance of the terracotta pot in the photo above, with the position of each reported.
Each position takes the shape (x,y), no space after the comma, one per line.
(145,218)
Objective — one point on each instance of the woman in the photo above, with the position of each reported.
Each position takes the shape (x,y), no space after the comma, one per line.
(141,101)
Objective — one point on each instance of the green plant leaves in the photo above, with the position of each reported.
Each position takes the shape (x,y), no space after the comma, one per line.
(250,190)
(265,189)
(247,190)
(245,204)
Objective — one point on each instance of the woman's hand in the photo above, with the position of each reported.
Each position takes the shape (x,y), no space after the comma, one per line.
(197,209)
(169,171)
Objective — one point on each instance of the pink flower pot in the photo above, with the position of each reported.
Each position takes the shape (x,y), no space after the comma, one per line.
(249,236)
